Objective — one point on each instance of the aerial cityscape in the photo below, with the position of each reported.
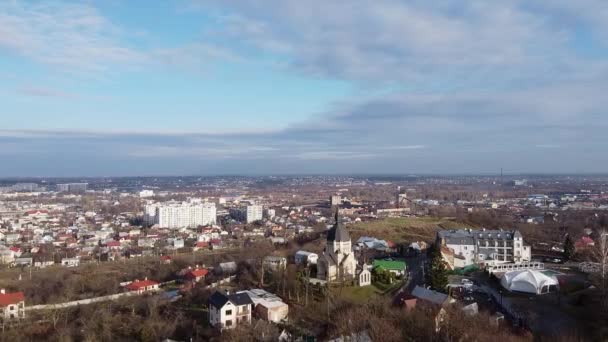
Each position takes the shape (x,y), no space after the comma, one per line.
(281,170)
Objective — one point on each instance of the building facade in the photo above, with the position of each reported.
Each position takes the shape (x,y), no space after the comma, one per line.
(72,187)
(12,305)
(226,311)
(335,200)
(248,214)
(180,215)
(466,247)
(338,261)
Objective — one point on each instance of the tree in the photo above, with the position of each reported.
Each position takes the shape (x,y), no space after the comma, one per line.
(438,274)
(568,248)
(600,255)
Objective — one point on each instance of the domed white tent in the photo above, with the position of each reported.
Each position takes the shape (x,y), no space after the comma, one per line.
(529,281)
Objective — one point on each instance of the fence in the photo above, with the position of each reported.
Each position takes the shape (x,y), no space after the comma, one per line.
(79,302)
(500,268)
(220,282)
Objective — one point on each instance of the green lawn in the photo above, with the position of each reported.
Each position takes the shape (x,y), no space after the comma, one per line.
(357,294)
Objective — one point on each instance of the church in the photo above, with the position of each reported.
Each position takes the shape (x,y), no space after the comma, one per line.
(338,260)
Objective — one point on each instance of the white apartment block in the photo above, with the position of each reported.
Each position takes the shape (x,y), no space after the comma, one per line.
(254,213)
(180,215)
(467,247)
(248,214)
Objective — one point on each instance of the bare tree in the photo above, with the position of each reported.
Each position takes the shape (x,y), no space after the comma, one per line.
(600,255)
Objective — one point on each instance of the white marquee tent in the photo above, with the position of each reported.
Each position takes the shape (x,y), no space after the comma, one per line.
(529,281)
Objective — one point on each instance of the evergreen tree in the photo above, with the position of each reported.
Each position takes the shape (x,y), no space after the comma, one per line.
(568,248)
(438,273)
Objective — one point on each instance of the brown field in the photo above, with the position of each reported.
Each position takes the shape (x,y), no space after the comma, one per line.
(404,229)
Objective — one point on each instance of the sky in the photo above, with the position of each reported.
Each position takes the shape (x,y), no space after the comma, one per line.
(201,87)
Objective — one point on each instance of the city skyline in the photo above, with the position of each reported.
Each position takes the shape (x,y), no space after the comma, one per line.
(284,87)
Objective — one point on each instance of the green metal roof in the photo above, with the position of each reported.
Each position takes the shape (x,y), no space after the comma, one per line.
(396,265)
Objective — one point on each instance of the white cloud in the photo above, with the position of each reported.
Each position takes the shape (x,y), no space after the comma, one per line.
(73,36)
(418,42)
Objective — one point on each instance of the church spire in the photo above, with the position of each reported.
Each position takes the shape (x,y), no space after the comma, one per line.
(338,232)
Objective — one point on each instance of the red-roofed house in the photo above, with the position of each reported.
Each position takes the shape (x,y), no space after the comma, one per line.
(166,259)
(12,304)
(113,244)
(197,274)
(16,251)
(143,286)
(201,245)
(584,242)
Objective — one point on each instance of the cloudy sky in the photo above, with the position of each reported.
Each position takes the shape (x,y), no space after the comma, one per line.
(102,88)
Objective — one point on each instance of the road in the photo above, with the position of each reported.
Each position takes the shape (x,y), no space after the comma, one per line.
(415,274)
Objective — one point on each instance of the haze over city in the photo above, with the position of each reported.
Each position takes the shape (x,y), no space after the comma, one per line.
(186,87)
(288,170)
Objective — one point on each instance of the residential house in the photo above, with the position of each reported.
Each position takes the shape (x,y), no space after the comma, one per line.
(406,301)
(143,286)
(229,267)
(70,262)
(226,310)
(201,245)
(584,242)
(25,261)
(267,306)
(430,296)
(196,275)
(166,259)
(275,263)
(304,257)
(12,304)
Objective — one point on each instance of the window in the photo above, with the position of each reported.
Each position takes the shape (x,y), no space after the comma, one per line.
(12,307)
(228,312)
(229,323)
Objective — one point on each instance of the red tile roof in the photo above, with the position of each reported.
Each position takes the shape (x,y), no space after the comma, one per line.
(34,212)
(200,272)
(141,284)
(7,299)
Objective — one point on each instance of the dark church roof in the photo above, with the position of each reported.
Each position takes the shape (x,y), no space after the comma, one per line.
(338,232)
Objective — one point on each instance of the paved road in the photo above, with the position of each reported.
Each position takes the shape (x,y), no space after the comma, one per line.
(415,274)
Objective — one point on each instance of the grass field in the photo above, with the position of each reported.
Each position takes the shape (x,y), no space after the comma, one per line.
(357,294)
(403,229)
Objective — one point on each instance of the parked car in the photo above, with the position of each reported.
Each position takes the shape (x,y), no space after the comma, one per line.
(466,282)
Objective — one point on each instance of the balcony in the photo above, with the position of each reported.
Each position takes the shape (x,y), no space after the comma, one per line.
(245,312)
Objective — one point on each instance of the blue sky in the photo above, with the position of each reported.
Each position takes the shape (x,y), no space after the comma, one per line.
(102,88)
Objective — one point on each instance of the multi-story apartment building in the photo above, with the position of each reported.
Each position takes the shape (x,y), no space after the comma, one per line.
(150,213)
(179,215)
(254,213)
(72,187)
(465,247)
(248,214)
(335,200)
